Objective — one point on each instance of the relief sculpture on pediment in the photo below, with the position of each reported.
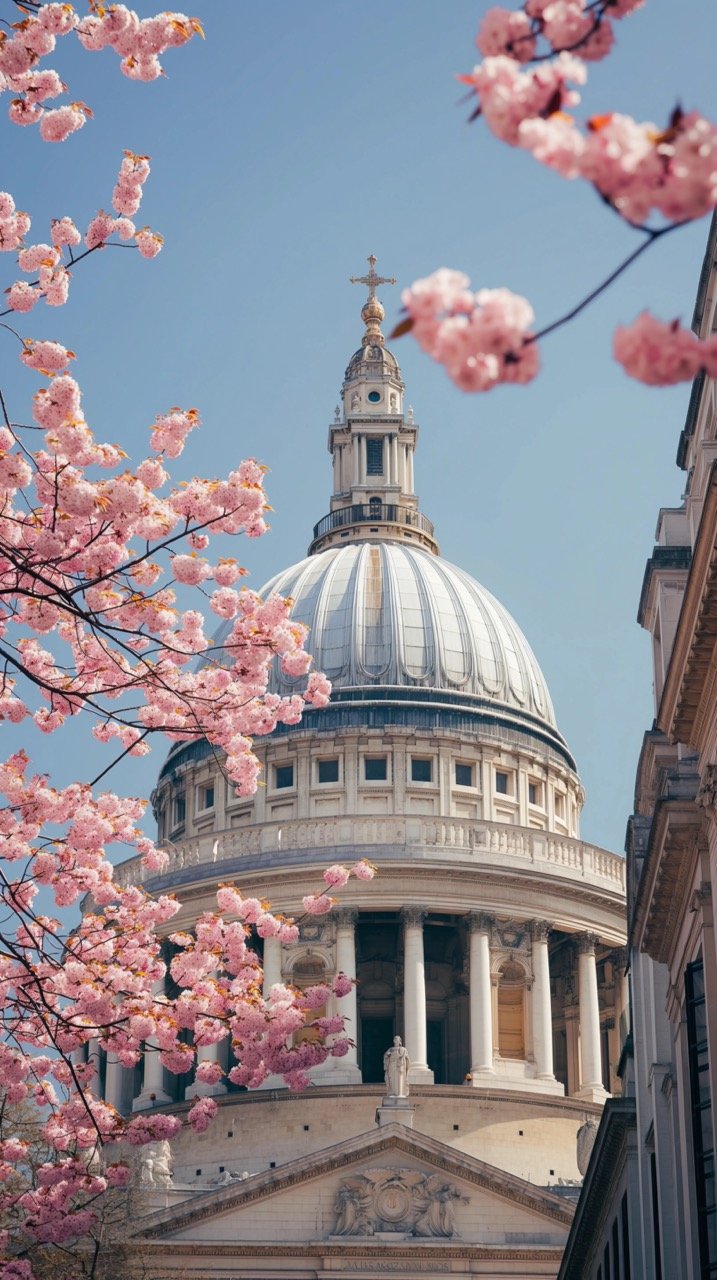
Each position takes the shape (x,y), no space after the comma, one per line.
(397,1200)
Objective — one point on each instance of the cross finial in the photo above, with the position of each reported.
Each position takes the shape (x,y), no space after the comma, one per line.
(372,279)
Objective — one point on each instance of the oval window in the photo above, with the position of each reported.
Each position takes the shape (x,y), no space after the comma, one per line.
(374,396)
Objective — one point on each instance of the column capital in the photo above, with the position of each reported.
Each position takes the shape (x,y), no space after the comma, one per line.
(539,930)
(413,917)
(706,796)
(480,922)
(586,943)
(345,917)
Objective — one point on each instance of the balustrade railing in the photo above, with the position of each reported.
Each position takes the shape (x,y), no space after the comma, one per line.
(373,513)
(388,837)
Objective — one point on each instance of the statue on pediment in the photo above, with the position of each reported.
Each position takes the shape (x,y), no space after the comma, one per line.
(395,1069)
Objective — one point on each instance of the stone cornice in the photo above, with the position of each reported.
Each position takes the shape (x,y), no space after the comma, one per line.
(377,1253)
(394,1137)
(676,837)
(691,674)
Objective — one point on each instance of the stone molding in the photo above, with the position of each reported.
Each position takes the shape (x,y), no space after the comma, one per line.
(345,917)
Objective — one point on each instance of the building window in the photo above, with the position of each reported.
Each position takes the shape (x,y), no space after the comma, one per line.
(328,771)
(374,508)
(179,813)
(503,783)
(464,774)
(283,776)
(511,1005)
(615,1251)
(375,768)
(421,769)
(626,1270)
(559,805)
(374,456)
(535,794)
(205,796)
(701,1103)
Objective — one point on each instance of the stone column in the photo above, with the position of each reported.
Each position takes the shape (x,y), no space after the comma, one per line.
(362,462)
(152,1093)
(542,1006)
(480,998)
(394,460)
(356,447)
(409,456)
(114,1082)
(272,964)
(591,1085)
(347,1068)
(93,1057)
(414,995)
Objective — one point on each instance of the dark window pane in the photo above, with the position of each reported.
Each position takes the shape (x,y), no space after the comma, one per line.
(284,775)
(501,782)
(374,457)
(464,775)
(421,770)
(375,768)
(328,770)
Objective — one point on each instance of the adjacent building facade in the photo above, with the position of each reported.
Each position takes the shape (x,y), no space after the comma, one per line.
(665,1158)
(492,939)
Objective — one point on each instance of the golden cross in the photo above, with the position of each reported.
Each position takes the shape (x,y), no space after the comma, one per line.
(372,279)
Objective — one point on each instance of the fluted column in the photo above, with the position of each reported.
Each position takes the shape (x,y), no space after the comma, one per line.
(394,460)
(542,1007)
(152,1093)
(356,448)
(414,995)
(347,1068)
(480,998)
(591,1085)
(362,462)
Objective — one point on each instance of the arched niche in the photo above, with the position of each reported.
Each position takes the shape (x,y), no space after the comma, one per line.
(511,1010)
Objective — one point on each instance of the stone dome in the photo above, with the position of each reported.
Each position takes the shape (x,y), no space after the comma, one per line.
(385,614)
(372,359)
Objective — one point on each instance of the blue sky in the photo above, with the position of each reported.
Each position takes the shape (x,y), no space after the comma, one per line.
(295,141)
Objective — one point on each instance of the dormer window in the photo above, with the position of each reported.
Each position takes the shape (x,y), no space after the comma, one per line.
(374,456)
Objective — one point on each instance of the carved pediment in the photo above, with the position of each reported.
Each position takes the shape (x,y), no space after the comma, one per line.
(400,1201)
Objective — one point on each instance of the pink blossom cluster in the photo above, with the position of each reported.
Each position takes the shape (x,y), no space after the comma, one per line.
(49,262)
(482,339)
(139,42)
(565,25)
(661,354)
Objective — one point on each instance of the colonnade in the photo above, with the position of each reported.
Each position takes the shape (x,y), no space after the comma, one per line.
(352,456)
(486,1064)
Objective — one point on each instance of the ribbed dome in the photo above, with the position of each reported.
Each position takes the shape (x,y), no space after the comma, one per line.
(389,615)
(371,360)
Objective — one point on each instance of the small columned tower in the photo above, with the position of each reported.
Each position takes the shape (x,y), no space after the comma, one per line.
(372,443)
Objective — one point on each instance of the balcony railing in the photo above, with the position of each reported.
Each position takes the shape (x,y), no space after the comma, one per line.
(373,513)
(456,840)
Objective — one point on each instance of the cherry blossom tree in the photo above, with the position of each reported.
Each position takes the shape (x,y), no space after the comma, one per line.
(655,178)
(97,558)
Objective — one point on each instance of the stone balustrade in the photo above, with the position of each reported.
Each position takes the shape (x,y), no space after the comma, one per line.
(456,839)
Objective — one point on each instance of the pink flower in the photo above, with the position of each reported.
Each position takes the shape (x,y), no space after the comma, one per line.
(22,296)
(317,904)
(363,871)
(661,354)
(149,242)
(49,357)
(57,125)
(201,1114)
(336,876)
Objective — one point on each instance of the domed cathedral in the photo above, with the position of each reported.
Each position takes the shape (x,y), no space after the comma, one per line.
(490,942)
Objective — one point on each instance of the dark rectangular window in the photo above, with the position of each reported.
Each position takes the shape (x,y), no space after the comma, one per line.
(328,770)
(283,776)
(502,781)
(615,1251)
(180,810)
(207,797)
(375,768)
(655,1217)
(374,456)
(626,1270)
(535,793)
(701,1102)
(464,775)
(606,1261)
(421,770)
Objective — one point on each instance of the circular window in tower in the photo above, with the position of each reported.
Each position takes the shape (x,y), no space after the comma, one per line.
(374,396)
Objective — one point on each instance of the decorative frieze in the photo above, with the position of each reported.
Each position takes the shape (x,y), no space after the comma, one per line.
(401,1201)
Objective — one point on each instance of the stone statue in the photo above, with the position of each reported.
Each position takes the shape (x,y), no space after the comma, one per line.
(353,1199)
(395,1068)
(156,1165)
(436,1201)
(227,1177)
(586,1136)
